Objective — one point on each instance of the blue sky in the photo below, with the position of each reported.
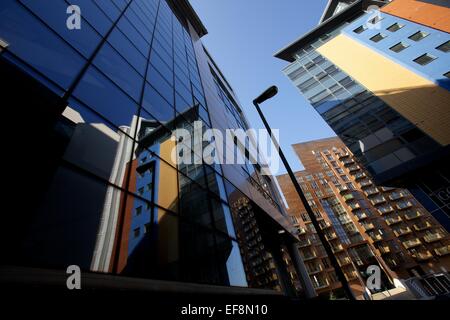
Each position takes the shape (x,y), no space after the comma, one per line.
(243,36)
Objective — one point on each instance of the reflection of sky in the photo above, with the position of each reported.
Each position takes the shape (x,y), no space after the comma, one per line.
(235,269)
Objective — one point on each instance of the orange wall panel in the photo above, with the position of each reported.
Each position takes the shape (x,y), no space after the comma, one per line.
(422,12)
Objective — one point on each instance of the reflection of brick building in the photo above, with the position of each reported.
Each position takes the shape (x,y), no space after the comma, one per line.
(360,220)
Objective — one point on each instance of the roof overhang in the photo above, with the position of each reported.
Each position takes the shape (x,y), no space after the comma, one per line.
(287,53)
(184,7)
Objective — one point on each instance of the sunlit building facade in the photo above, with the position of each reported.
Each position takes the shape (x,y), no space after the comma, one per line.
(380,79)
(97,110)
(365,224)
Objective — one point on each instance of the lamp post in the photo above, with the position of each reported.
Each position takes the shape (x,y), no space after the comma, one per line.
(269,93)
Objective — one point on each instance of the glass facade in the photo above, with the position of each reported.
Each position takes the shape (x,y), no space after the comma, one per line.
(102,103)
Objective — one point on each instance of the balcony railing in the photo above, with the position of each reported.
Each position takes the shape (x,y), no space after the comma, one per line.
(344,261)
(422,226)
(361,216)
(309,256)
(301,231)
(321,284)
(353,168)
(422,256)
(305,243)
(402,231)
(324,224)
(393,220)
(342,188)
(354,205)
(371,192)
(378,200)
(360,175)
(442,251)
(432,237)
(411,215)
(366,183)
(331,236)
(384,249)
(376,237)
(404,205)
(348,197)
(385,209)
(368,226)
(412,243)
(315,269)
(349,161)
(396,195)
(337,248)
(351,275)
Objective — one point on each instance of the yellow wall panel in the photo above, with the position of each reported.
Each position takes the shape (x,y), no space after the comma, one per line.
(418,99)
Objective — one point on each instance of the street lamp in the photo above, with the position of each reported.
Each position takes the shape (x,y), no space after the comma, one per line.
(269,93)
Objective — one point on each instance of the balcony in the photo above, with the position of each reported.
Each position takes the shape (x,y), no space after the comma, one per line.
(432,237)
(353,168)
(393,220)
(378,200)
(337,248)
(404,205)
(422,256)
(412,243)
(309,256)
(342,189)
(315,269)
(344,261)
(371,191)
(343,155)
(349,197)
(402,231)
(361,216)
(351,275)
(368,226)
(305,243)
(322,284)
(422,226)
(348,161)
(385,209)
(376,237)
(324,225)
(384,249)
(360,175)
(301,231)
(396,195)
(331,236)
(365,183)
(411,215)
(442,251)
(354,205)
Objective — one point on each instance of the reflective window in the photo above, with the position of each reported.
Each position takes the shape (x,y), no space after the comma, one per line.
(100,94)
(156,105)
(37,45)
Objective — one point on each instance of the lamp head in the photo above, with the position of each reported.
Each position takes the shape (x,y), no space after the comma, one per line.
(269,93)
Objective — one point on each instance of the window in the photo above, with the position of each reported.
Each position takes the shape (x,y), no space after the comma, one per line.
(137,232)
(424,59)
(395,27)
(141,191)
(418,36)
(378,37)
(360,29)
(399,47)
(445,47)
(147,228)
(376,19)
(138,210)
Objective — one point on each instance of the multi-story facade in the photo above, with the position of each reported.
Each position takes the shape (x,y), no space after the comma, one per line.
(365,223)
(380,79)
(98,106)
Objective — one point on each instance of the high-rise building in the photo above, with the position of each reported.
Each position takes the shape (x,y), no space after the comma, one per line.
(378,73)
(365,224)
(91,111)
